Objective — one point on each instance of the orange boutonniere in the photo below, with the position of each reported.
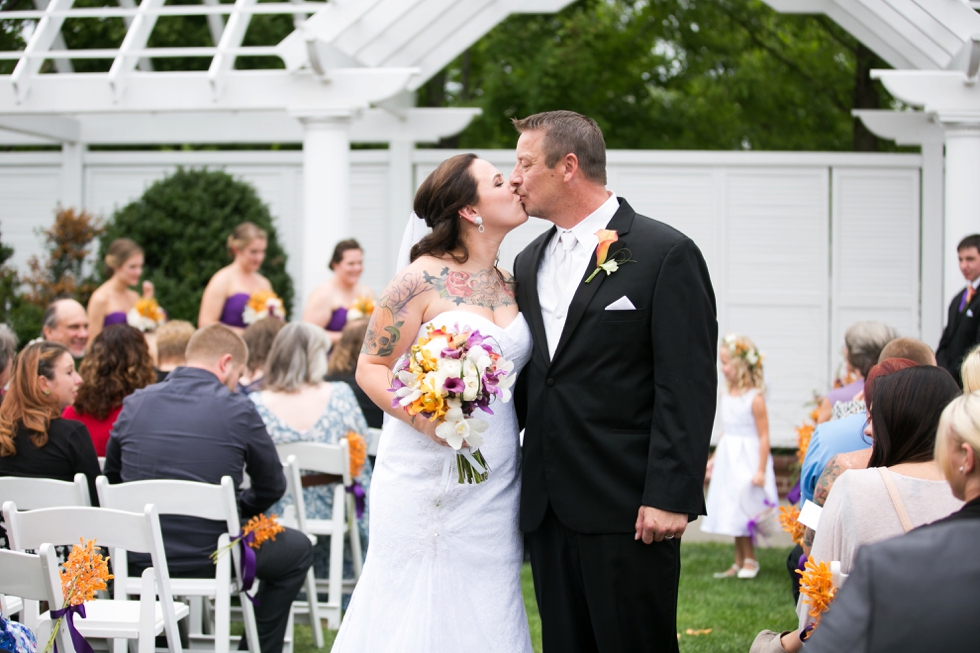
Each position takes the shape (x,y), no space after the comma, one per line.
(604,264)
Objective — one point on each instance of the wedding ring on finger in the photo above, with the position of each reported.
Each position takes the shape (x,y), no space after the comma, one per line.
(668,537)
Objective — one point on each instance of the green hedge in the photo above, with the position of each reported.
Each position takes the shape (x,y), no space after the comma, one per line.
(182,222)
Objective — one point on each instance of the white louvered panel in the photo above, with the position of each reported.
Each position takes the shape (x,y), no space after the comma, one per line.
(775,286)
(369,220)
(110,187)
(684,198)
(28,200)
(875,218)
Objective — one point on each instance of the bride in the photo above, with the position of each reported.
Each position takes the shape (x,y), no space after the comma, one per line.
(443,570)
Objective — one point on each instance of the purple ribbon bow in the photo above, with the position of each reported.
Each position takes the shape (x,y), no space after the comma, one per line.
(359,494)
(81,646)
(794,494)
(248,564)
(753,525)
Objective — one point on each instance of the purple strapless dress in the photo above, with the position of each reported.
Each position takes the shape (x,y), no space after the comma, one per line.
(337,320)
(117,317)
(231,314)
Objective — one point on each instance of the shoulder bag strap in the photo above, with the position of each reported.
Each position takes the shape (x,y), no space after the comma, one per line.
(903,515)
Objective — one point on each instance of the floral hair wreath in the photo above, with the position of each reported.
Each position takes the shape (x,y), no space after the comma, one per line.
(739,347)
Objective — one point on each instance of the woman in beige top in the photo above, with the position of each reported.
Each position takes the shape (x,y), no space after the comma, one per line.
(905,407)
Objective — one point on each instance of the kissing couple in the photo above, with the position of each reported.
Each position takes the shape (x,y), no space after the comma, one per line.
(609,319)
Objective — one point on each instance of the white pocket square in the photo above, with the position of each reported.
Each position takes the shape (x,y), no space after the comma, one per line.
(969,312)
(621,304)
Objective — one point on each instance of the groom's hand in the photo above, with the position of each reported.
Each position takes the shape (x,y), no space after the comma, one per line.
(653,524)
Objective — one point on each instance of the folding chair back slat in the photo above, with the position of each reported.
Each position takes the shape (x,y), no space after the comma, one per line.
(34,493)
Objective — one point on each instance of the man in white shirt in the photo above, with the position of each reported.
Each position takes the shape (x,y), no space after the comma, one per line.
(617,400)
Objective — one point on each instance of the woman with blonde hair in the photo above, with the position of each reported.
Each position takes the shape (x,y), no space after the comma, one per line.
(297,405)
(112,301)
(743,484)
(35,441)
(229,290)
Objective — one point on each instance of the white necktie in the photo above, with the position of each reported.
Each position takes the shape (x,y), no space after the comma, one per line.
(563,263)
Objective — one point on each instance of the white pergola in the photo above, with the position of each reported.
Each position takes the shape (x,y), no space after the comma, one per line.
(352,67)
(934,48)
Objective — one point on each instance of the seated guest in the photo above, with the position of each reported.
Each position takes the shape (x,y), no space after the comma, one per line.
(66,321)
(298,406)
(8,351)
(118,364)
(343,363)
(970,371)
(197,411)
(863,343)
(35,440)
(902,487)
(842,462)
(919,592)
(258,338)
(908,348)
(172,339)
(847,434)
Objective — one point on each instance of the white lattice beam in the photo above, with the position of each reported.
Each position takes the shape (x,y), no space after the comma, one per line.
(61,65)
(55,128)
(244,90)
(231,38)
(216,24)
(136,36)
(144,63)
(47,30)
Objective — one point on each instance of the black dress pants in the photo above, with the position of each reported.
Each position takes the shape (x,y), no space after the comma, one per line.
(605,593)
(281,567)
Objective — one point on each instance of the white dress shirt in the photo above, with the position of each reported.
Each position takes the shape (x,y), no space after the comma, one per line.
(557,287)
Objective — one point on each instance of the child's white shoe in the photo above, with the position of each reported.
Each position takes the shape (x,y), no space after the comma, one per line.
(731,572)
(750,569)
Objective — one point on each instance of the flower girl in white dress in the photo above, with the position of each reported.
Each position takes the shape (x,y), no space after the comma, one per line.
(743,485)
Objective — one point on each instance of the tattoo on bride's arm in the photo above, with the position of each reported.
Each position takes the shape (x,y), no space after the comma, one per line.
(484,289)
(384,329)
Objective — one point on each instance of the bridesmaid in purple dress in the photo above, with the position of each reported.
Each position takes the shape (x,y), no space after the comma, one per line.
(328,303)
(111,301)
(228,291)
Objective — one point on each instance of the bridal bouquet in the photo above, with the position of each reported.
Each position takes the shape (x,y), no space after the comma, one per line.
(446,376)
(261,305)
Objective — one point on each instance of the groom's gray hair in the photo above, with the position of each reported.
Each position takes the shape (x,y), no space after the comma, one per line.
(567,132)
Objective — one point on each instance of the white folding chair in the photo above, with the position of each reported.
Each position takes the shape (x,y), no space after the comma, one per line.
(190,499)
(374,439)
(30,494)
(142,620)
(35,578)
(330,459)
(295,517)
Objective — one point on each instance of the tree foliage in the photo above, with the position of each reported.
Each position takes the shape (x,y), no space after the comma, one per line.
(15,311)
(182,223)
(68,243)
(678,74)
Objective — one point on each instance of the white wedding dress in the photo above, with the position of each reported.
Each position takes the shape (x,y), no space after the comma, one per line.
(442,573)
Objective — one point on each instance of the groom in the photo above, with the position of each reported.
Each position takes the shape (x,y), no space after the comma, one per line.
(618,399)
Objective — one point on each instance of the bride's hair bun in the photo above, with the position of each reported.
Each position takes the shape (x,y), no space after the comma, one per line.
(438,201)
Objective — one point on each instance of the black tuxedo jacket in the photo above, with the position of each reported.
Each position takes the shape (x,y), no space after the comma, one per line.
(961,334)
(622,416)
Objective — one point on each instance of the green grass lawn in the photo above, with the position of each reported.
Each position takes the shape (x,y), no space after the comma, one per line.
(735,610)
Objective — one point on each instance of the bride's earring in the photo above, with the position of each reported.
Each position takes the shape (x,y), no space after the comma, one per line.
(478,221)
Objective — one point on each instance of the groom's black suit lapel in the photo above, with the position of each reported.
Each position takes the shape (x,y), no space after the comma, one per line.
(621,222)
(534,304)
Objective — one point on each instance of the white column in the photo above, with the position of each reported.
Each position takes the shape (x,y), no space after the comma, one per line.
(962,196)
(401,195)
(933,307)
(72,176)
(326,195)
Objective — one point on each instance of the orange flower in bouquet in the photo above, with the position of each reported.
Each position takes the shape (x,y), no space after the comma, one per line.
(265,528)
(803,434)
(358,452)
(82,575)
(817,586)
